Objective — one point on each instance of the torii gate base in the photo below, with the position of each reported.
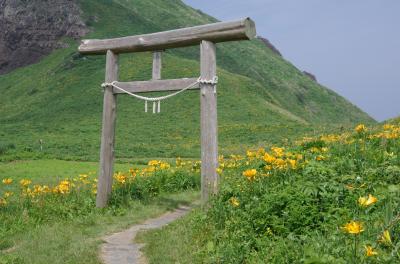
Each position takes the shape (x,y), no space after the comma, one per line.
(207,36)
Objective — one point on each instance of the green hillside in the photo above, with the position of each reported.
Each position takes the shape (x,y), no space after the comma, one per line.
(261,97)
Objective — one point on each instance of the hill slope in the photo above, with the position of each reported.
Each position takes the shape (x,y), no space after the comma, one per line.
(261,96)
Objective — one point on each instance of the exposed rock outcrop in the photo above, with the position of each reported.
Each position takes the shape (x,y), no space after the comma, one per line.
(270,45)
(31,29)
(310,75)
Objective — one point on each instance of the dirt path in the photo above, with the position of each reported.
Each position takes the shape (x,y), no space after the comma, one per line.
(120,248)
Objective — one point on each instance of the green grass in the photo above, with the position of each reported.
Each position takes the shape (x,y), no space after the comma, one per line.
(296,214)
(77,240)
(261,97)
(50,171)
(68,228)
(173,243)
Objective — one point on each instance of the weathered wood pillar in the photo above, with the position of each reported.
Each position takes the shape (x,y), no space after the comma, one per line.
(157,65)
(208,121)
(104,185)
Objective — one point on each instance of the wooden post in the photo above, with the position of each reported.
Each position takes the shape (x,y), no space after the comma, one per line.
(104,185)
(157,65)
(208,121)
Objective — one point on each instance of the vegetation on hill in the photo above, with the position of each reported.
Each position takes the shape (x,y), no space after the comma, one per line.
(328,199)
(262,97)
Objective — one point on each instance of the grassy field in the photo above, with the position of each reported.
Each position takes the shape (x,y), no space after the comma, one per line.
(328,199)
(261,96)
(78,241)
(60,224)
(51,171)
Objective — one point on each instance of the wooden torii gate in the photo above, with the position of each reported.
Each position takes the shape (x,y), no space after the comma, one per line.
(206,36)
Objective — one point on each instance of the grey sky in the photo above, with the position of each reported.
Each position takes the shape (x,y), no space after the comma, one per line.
(352,46)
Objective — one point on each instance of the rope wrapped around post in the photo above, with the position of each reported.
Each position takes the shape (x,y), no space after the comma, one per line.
(157,100)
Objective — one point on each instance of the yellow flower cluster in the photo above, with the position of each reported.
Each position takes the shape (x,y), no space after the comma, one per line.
(356,227)
(361,128)
(25,182)
(370,252)
(233,161)
(367,201)
(7,181)
(3,202)
(353,227)
(64,187)
(234,201)
(250,174)
(279,159)
(84,182)
(37,190)
(158,164)
(192,165)
(385,238)
(120,177)
(389,132)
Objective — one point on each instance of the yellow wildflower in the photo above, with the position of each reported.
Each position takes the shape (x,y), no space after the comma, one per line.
(369,251)
(278,152)
(37,189)
(178,162)
(385,238)
(63,187)
(293,163)
(153,163)
(360,128)
(3,202)
(268,167)
(251,154)
(148,170)
(280,164)
(83,176)
(25,182)
(388,127)
(219,170)
(7,181)
(365,202)
(314,150)
(27,192)
(164,165)
(45,189)
(121,178)
(268,158)
(353,227)
(234,202)
(320,157)
(250,174)
(8,194)
(132,172)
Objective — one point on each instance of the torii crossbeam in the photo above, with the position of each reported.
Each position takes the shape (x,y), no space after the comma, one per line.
(206,36)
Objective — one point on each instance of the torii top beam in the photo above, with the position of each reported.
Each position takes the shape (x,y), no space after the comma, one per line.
(217,32)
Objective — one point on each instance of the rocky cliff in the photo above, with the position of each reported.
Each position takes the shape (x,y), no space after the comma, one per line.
(31,29)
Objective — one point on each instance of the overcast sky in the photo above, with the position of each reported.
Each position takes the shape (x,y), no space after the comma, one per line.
(352,46)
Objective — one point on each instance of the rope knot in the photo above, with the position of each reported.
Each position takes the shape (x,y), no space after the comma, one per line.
(106,84)
(213,81)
